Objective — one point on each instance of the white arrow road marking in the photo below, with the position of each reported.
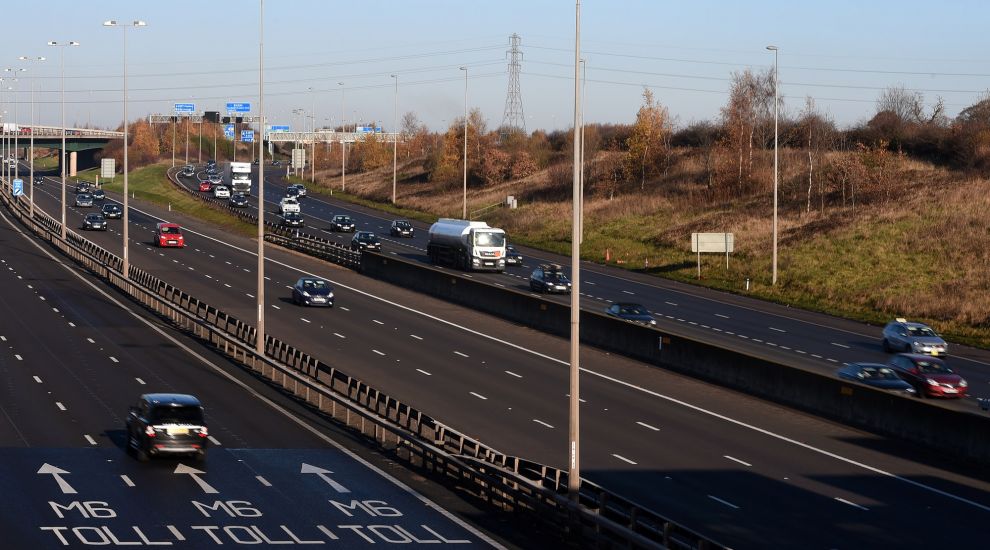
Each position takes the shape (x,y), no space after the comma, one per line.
(57,472)
(307,469)
(194,473)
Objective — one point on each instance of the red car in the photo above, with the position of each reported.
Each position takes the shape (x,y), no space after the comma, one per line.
(169,234)
(929,375)
(205,186)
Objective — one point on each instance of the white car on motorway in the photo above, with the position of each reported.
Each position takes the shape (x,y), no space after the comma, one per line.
(288,204)
(221,192)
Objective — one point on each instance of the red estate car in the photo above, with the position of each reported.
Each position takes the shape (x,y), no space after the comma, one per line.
(169,234)
(205,186)
(929,375)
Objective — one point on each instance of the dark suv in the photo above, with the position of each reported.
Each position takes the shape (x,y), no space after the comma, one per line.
(549,278)
(166,424)
(342,222)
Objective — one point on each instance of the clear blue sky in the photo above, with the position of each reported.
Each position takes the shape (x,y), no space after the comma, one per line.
(840,52)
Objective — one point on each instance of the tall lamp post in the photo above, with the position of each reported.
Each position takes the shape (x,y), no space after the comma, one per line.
(574,399)
(64,157)
(260,340)
(31,160)
(312,114)
(395,132)
(123,28)
(17,132)
(464,208)
(775,103)
(343,144)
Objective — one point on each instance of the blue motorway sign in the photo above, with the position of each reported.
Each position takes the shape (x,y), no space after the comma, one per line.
(279,128)
(181,108)
(18,187)
(368,129)
(228,131)
(247,136)
(238,107)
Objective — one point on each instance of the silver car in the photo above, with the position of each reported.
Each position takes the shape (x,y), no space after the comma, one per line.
(901,335)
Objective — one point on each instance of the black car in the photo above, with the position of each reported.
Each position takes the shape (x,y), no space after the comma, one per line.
(310,291)
(276,163)
(365,240)
(39,180)
(167,424)
(84,200)
(341,222)
(211,162)
(239,200)
(292,191)
(876,375)
(292,219)
(512,256)
(95,222)
(83,187)
(628,311)
(112,211)
(98,195)
(549,278)
(402,228)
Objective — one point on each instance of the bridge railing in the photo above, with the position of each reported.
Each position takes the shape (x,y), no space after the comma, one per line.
(26,131)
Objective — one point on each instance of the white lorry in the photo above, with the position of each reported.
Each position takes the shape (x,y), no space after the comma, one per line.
(467,245)
(240,177)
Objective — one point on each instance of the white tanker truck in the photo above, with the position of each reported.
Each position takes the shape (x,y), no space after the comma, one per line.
(467,245)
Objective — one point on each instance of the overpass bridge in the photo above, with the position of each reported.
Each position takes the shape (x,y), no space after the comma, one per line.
(77,140)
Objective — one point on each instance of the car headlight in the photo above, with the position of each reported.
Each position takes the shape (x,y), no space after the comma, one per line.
(306,294)
(653,321)
(963,384)
(931,382)
(330,295)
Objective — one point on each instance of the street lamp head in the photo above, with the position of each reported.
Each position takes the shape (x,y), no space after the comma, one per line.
(340,83)
(110,23)
(139,23)
(462,68)
(772,48)
(73,43)
(52,43)
(392,76)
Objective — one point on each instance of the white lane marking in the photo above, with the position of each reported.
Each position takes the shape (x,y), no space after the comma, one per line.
(19,358)
(275,306)
(743,462)
(500,284)
(624,459)
(816,356)
(208,277)
(538,421)
(730,333)
(377,321)
(90,439)
(416,337)
(91,341)
(60,406)
(479,396)
(725,502)
(114,359)
(344,308)
(647,426)
(777,329)
(38,380)
(378,352)
(627,292)
(461,354)
(263,481)
(3,338)
(71,324)
(670,303)
(139,381)
(722,316)
(758,340)
(339,335)
(784,347)
(424,372)
(840,345)
(510,373)
(213,440)
(802,352)
(55,309)
(227,285)
(844,501)
(831,360)
(249,295)
(303,319)
(127,480)
(772,344)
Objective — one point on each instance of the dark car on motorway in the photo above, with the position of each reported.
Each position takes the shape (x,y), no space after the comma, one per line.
(628,311)
(311,291)
(215,178)
(402,228)
(876,375)
(902,335)
(298,188)
(112,211)
(167,424)
(366,240)
(512,256)
(929,375)
(276,162)
(292,191)
(39,180)
(84,200)
(83,187)
(342,222)
(549,278)
(95,222)
(188,170)
(293,219)
(98,195)
(239,200)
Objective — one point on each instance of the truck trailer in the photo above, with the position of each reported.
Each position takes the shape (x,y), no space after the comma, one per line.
(240,177)
(467,245)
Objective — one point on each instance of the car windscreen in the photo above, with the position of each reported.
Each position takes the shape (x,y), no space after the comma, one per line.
(169,230)
(933,367)
(342,219)
(873,373)
(489,238)
(634,310)
(403,225)
(176,415)
(315,285)
(555,277)
(922,332)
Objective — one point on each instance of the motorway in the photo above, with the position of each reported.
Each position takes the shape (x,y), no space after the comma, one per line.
(745,472)
(809,339)
(74,357)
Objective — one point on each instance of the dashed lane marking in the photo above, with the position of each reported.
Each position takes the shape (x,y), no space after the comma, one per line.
(378,352)
(479,396)
(510,373)
(725,502)
(542,423)
(339,335)
(60,406)
(840,345)
(853,504)
(19,358)
(38,380)
(139,381)
(114,359)
(722,316)
(416,337)
(624,459)
(90,439)
(461,354)
(744,463)
(647,426)
(127,480)
(777,329)
(214,441)
(424,372)
(263,481)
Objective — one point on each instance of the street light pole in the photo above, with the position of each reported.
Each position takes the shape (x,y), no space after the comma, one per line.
(395,134)
(64,157)
(17,130)
(584,87)
(312,161)
(260,340)
(31,160)
(775,104)
(574,399)
(123,28)
(464,207)
(343,144)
